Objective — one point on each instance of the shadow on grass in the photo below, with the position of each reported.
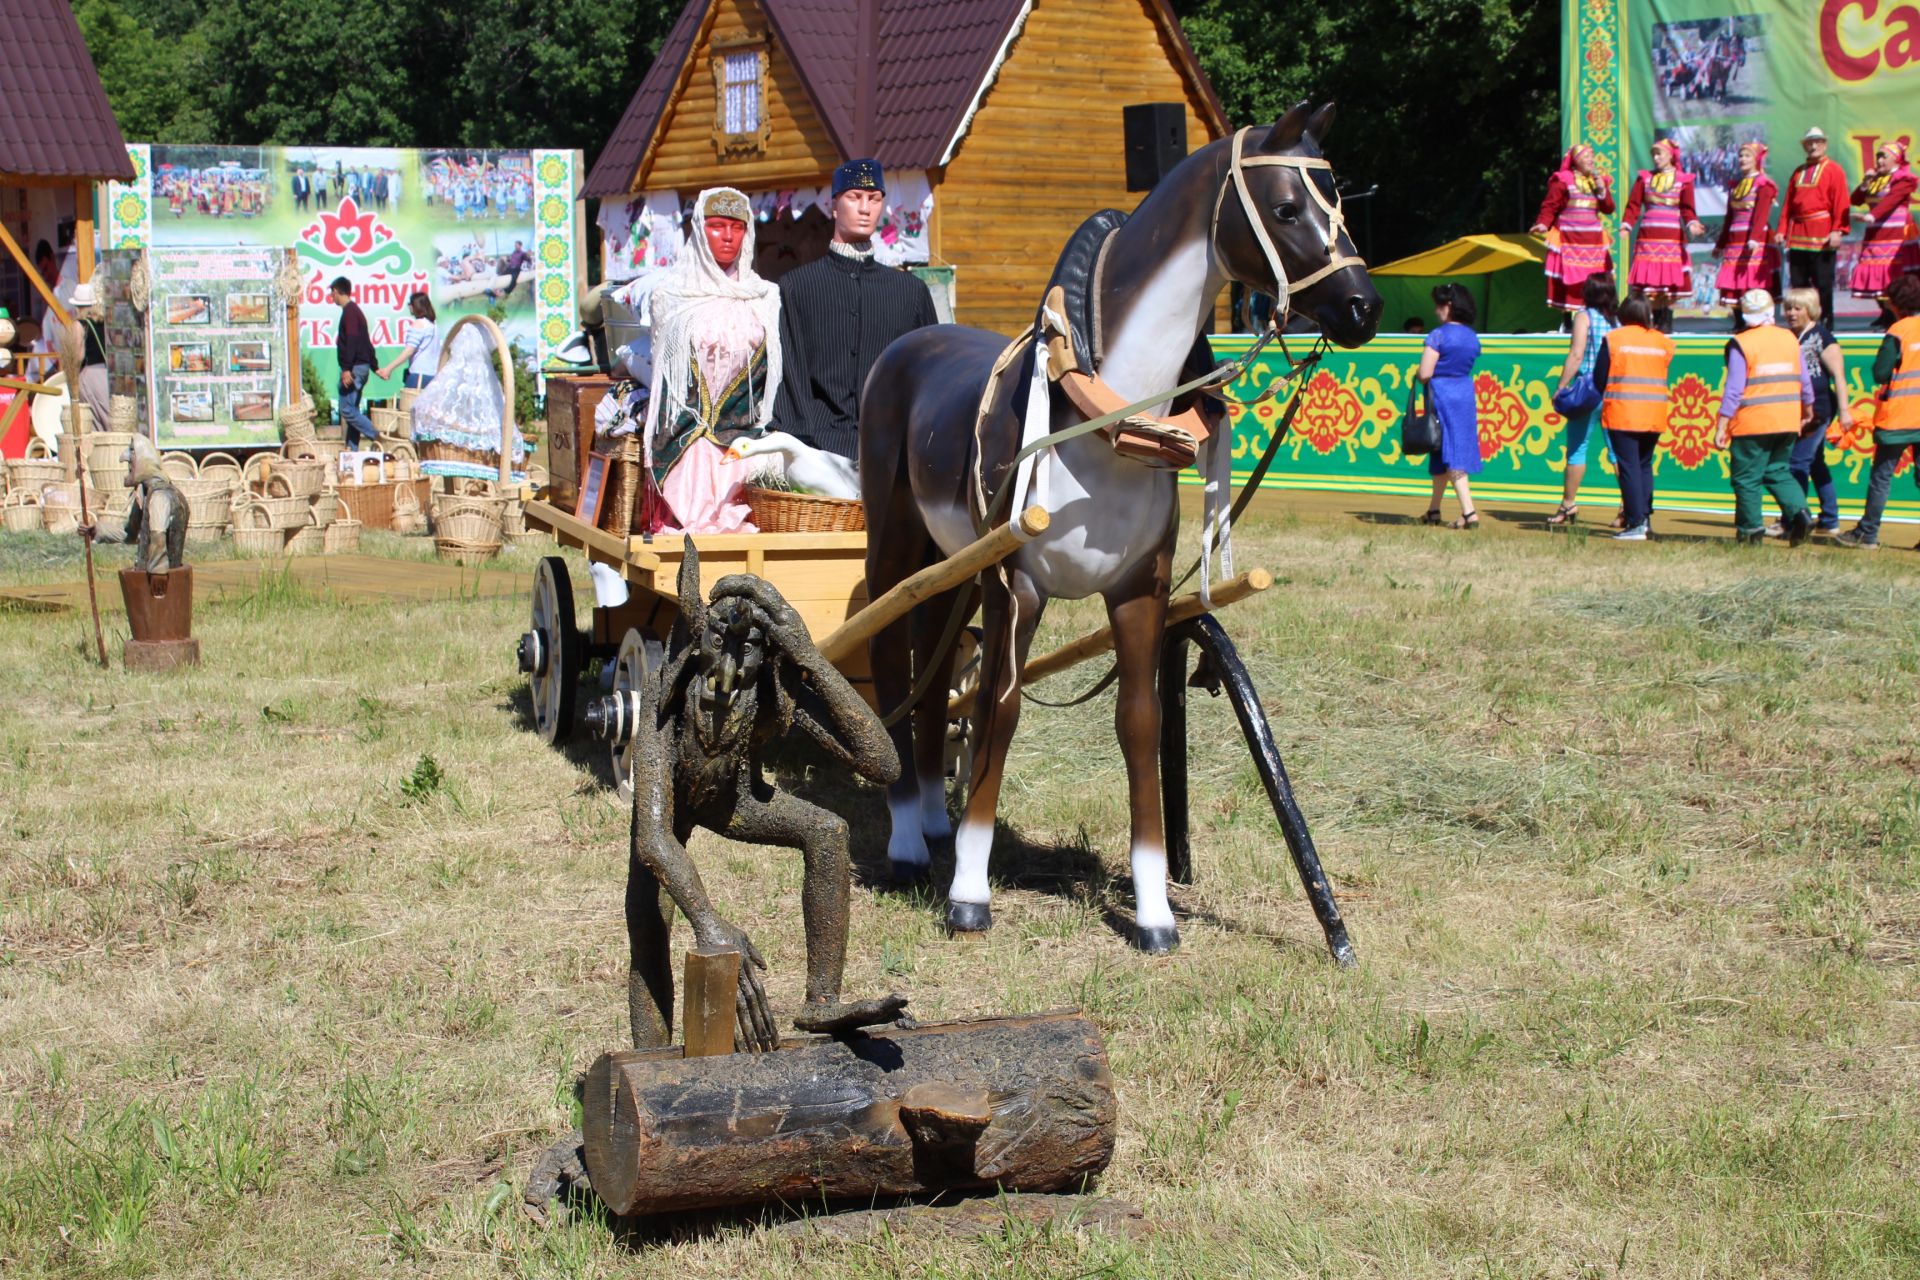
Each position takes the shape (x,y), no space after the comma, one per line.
(580,749)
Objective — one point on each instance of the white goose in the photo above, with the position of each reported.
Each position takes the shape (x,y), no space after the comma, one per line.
(813,470)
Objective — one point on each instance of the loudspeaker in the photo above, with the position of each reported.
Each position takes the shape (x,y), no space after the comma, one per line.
(1156,141)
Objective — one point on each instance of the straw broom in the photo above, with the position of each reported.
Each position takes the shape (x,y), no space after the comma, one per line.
(73,351)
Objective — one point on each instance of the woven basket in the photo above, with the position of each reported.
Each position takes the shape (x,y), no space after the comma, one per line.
(409,397)
(326,507)
(103,452)
(272,513)
(203,535)
(296,421)
(22,514)
(620,504)
(395,423)
(343,537)
(223,466)
(60,507)
(403,460)
(33,474)
(775,511)
(469,520)
(377,505)
(461,551)
(527,538)
(209,502)
(179,466)
(286,478)
(513,519)
(259,542)
(446,451)
(310,541)
(122,413)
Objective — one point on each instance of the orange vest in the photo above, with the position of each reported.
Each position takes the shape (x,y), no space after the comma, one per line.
(1901,409)
(1771,403)
(1636,395)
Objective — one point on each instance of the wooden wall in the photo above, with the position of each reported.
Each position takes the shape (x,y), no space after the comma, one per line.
(799,150)
(1046,149)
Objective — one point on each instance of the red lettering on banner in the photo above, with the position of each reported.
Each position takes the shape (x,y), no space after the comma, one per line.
(1898,37)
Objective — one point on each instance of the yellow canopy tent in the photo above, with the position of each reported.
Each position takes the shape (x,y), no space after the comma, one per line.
(1504,273)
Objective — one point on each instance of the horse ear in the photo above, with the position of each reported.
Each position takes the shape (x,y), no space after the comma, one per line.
(1286,131)
(1321,122)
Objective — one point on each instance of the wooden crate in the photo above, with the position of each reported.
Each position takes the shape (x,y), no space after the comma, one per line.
(571,401)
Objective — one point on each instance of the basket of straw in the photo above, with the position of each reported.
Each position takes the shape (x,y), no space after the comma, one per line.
(308,540)
(286,478)
(122,414)
(274,513)
(621,501)
(405,516)
(392,422)
(224,467)
(249,540)
(22,513)
(326,507)
(30,475)
(513,517)
(785,511)
(468,519)
(460,551)
(104,460)
(209,504)
(296,420)
(342,537)
(325,452)
(179,466)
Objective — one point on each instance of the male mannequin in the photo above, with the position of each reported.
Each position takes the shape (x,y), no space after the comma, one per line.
(839,313)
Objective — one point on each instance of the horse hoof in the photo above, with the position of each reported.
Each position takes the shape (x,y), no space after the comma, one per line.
(1159,940)
(969,917)
(909,872)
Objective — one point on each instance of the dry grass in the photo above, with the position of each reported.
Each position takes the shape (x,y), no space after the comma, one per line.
(299,953)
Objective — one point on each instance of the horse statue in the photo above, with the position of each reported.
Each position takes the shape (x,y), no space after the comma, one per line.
(940,427)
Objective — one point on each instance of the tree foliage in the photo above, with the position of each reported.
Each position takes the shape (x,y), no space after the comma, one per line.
(1450,106)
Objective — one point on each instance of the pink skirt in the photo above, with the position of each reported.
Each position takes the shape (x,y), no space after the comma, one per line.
(1751,266)
(701,494)
(1885,254)
(1660,265)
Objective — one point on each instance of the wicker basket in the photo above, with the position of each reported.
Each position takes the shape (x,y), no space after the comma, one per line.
(223,466)
(343,537)
(620,506)
(527,538)
(403,461)
(30,475)
(326,507)
(409,397)
(205,535)
(22,513)
(308,541)
(272,513)
(209,501)
(296,421)
(513,519)
(122,413)
(377,506)
(469,520)
(776,511)
(325,452)
(103,450)
(286,478)
(259,542)
(179,466)
(461,551)
(392,422)
(60,507)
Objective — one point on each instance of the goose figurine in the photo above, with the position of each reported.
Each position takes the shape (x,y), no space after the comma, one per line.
(810,469)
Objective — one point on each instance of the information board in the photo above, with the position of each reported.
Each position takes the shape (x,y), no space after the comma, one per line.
(216,346)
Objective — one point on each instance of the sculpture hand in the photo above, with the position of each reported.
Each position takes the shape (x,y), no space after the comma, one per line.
(753,1016)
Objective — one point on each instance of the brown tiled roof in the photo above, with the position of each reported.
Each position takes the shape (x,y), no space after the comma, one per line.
(54,117)
(930,60)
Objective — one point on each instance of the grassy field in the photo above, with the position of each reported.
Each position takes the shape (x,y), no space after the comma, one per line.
(301,952)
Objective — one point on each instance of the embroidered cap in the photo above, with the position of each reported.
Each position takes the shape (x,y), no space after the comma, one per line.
(727,203)
(859,175)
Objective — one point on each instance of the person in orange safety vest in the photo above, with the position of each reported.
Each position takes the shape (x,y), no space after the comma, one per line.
(1767,398)
(1631,375)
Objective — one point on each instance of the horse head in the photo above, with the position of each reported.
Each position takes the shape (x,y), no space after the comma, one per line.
(1279,207)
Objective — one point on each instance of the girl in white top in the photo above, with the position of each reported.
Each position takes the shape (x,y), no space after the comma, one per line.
(421,355)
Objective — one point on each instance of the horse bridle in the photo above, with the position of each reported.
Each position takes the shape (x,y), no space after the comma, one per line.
(1336,219)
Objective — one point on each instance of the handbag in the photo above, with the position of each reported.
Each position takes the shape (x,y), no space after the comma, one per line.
(1419,429)
(1578,396)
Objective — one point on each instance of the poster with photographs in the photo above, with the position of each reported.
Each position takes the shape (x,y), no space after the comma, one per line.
(126,330)
(217,344)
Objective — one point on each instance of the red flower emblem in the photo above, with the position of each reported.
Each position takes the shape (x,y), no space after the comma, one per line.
(1690,421)
(1502,414)
(1329,413)
(348,231)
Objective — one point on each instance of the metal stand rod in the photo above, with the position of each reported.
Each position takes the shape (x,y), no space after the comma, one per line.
(1223,668)
(1173,757)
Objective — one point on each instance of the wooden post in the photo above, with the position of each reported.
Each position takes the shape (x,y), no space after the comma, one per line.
(40,286)
(1186,607)
(707,1022)
(963,564)
(83,229)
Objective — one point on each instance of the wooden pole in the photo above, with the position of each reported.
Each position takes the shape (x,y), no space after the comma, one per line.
(963,564)
(83,229)
(707,1022)
(72,348)
(40,286)
(1187,607)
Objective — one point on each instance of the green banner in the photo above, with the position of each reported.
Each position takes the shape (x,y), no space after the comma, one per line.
(1715,74)
(1346,435)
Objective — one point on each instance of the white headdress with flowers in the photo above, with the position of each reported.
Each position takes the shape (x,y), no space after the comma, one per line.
(700,302)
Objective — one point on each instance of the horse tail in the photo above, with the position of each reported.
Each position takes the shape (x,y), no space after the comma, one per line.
(884,402)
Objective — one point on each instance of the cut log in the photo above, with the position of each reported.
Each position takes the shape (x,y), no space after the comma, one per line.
(1023,1104)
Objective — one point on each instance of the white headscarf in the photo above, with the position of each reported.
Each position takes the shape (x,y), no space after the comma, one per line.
(697,295)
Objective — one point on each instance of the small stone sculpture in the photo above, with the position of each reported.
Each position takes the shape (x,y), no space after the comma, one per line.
(741,672)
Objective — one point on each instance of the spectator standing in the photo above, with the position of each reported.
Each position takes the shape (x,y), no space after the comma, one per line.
(1591,324)
(1446,366)
(1570,220)
(1883,251)
(353,347)
(1767,401)
(1813,219)
(1660,214)
(1631,373)
(1896,372)
(1748,261)
(421,354)
(1826,366)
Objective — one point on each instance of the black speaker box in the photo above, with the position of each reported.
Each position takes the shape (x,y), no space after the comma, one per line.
(1156,141)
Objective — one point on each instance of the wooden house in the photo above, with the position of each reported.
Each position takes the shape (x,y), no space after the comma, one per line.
(1001,117)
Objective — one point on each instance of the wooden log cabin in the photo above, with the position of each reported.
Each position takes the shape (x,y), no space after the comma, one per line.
(1006,113)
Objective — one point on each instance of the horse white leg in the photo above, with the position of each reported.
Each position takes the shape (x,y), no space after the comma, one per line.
(1002,653)
(1138,614)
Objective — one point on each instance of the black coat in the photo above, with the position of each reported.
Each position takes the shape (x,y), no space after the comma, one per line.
(836,316)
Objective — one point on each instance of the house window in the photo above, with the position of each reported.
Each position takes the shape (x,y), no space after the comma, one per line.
(740,94)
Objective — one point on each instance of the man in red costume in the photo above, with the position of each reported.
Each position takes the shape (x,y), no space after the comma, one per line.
(1814,218)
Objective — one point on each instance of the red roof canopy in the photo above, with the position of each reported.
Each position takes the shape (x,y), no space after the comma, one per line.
(54,118)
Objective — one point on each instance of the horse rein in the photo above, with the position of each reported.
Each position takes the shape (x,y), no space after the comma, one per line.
(1336,217)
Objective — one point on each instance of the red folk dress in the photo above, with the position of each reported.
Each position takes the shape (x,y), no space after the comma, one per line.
(1576,238)
(1658,209)
(1748,259)
(1887,251)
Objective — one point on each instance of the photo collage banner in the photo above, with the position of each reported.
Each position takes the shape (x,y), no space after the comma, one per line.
(217,346)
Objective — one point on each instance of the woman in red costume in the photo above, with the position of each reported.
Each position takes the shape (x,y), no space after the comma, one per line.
(1748,259)
(1660,216)
(1570,219)
(1886,251)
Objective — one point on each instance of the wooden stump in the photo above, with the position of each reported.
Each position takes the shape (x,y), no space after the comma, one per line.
(1024,1104)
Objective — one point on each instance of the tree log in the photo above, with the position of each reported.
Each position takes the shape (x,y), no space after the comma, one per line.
(1024,1104)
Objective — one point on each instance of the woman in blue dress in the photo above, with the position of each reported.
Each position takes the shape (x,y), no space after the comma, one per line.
(1446,366)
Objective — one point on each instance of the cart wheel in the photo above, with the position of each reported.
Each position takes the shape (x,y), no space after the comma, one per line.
(629,669)
(550,651)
